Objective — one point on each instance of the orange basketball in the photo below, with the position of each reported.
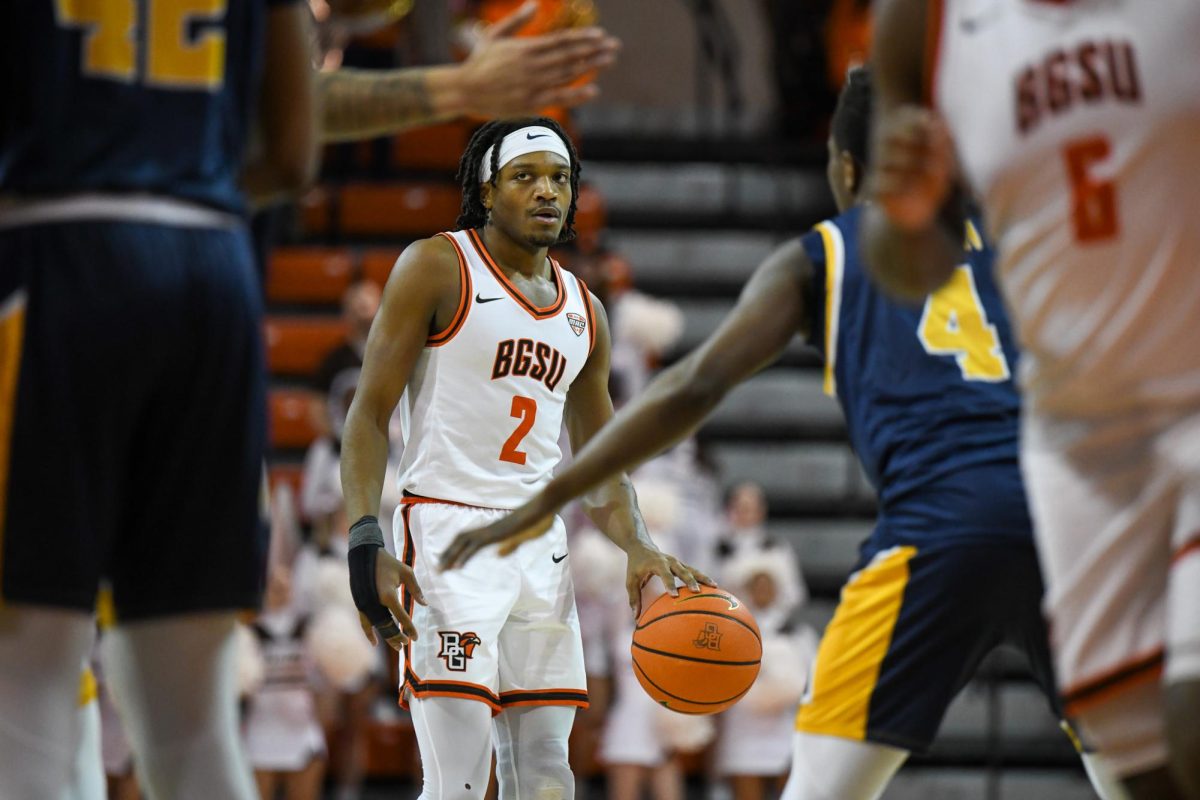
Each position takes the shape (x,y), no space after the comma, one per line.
(697,653)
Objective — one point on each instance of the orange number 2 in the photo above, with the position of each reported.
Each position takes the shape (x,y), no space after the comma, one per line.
(524,409)
(1093,202)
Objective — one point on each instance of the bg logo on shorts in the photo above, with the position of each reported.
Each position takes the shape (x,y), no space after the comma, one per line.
(709,637)
(457,648)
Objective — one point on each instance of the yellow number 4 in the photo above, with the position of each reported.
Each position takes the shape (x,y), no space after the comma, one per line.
(954,323)
(176,58)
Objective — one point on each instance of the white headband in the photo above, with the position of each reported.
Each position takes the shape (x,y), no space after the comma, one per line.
(534,139)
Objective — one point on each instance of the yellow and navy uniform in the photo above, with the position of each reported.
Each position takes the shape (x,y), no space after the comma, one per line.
(950,568)
(132,396)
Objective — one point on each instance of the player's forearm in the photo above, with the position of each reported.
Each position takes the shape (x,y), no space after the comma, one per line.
(612,508)
(672,407)
(363,465)
(359,104)
(909,265)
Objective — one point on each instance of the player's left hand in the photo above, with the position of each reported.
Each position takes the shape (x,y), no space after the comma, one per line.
(647,561)
(509,531)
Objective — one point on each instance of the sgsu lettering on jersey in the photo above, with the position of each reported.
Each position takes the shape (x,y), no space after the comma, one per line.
(529,359)
(1092,72)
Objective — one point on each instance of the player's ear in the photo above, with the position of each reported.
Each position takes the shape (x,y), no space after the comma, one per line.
(485,194)
(851,174)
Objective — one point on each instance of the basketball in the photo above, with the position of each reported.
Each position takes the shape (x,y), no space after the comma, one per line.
(697,653)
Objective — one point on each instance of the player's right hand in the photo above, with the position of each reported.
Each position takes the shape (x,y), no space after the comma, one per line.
(509,76)
(390,575)
(913,167)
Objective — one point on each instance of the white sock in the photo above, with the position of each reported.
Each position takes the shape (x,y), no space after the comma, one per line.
(175,685)
(531,753)
(41,653)
(832,768)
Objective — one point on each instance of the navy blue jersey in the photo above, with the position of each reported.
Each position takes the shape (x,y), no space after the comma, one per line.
(927,390)
(155,96)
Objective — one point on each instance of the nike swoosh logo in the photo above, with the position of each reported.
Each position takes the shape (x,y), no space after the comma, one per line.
(536,135)
(554,558)
(481,299)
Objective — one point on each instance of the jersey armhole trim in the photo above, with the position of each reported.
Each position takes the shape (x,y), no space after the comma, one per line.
(464,299)
(934,12)
(591,313)
(831,239)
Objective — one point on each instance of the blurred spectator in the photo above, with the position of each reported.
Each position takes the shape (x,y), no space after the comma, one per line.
(746,533)
(754,746)
(360,303)
(283,735)
(640,739)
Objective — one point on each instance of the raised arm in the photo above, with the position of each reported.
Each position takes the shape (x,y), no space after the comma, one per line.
(912,230)
(772,309)
(504,76)
(420,298)
(286,162)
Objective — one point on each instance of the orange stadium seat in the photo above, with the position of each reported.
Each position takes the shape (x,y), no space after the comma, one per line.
(377,264)
(400,209)
(308,274)
(438,147)
(316,210)
(291,423)
(297,345)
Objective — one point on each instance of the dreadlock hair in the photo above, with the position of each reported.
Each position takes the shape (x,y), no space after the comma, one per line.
(852,117)
(473,214)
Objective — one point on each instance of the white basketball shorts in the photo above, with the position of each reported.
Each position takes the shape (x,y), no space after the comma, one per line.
(503,631)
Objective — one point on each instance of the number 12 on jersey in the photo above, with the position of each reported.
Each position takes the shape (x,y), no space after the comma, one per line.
(524,409)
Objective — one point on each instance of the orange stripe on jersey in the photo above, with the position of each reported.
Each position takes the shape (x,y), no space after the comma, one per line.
(12,333)
(544,697)
(933,47)
(441,688)
(1133,672)
(464,299)
(591,313)
(537,312)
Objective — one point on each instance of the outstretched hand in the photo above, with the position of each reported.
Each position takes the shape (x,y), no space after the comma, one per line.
(509,531)
(914,167)
(646,562)
(507,76)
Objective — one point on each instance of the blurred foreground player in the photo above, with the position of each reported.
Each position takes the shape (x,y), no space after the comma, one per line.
(950,570)
(131,367)
(1077,125)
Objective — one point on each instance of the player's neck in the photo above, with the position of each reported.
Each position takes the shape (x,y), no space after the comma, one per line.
(513,256)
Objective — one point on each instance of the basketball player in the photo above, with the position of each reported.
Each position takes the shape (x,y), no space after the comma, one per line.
(950,570)
(131,380)
(495,347)
(1077,124)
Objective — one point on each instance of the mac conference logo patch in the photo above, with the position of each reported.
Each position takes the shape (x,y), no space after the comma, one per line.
(578,323)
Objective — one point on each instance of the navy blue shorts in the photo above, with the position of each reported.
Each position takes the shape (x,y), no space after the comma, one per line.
(132,418)
(911,628)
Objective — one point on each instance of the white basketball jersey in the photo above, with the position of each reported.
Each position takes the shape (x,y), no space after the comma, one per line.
(1078,127)
(484,406)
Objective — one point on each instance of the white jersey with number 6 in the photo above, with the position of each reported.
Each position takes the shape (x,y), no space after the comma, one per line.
(1078,126)
(484,406)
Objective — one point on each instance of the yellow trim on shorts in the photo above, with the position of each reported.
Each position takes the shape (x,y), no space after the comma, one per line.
(106,609)
(12,332)
(835,253)
(87,687)
(852,650)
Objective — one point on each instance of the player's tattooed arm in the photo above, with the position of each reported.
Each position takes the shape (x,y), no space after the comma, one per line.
(504,76)
(912,230)
(772,309)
